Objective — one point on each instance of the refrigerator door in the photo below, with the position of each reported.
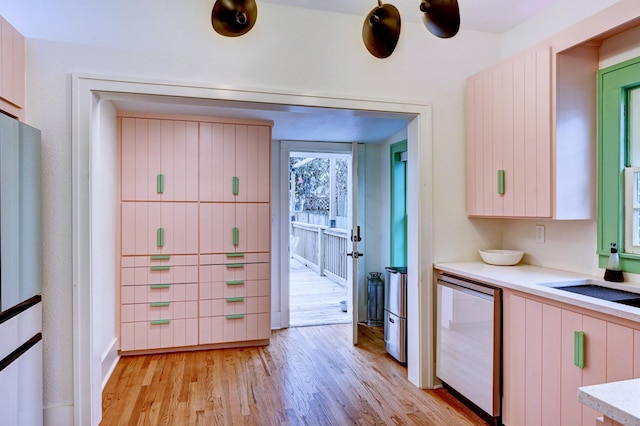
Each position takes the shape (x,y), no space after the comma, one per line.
(396,291)
(395,336)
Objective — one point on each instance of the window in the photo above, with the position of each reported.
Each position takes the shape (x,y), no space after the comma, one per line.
(619,163)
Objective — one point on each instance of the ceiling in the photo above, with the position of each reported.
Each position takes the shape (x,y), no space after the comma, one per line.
(333,125)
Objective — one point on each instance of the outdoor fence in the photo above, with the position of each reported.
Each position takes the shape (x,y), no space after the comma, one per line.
(322,249)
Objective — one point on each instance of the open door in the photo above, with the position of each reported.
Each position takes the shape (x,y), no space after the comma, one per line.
(355,239)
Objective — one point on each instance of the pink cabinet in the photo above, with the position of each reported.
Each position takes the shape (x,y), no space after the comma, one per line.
(543,342)
(12,70)
(159,160)
(239,227)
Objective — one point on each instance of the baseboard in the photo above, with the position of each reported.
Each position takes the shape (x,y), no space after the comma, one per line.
(109,361)
(58,416)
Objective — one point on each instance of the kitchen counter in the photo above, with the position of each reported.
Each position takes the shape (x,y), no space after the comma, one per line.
(617,400)
(532,279)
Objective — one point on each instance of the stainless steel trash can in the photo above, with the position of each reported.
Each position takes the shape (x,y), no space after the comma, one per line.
(375,296)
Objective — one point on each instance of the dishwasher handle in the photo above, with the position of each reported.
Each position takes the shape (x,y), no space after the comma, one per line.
(474,289)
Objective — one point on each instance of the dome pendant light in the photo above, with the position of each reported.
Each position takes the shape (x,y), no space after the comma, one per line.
(441,17)
(233,18)
(381,30)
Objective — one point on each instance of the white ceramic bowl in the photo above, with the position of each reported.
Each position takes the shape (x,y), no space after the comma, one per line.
(501,257)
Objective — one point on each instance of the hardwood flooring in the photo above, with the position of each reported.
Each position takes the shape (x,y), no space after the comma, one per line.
(306,376)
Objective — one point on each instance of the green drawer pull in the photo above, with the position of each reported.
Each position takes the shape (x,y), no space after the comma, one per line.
(158,286)
(160,322)
(235,254)
(160,183)
(160,237)
(578,349)
(159,304)
(235,316)
(235,282)
(160,257)
(160,267)
(236,236)
(500,182)
(235,185)
(235,299)
(235,265)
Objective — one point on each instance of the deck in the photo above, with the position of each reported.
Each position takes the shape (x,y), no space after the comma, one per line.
(314,299)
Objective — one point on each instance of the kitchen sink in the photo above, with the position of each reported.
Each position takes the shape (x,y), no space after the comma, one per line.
(593,289)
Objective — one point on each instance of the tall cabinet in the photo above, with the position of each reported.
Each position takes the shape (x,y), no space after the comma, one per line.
(195,241)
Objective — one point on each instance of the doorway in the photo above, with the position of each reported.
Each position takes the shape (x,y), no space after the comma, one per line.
(319,205)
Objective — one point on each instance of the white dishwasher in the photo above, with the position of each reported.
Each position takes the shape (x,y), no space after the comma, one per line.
(469,343)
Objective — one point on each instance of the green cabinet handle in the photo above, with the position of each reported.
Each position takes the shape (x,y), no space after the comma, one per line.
(235,282)
(160,267)
(160,257)
(235,299)
(160,322)
(235,316)
(160,286)
(578,349)
(236,236)
(160,183)
(160,237)
(235,185)
(159,304)
(235,254)
(500,182)
(235,265)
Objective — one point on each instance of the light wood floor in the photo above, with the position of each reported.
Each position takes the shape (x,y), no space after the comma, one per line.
(306,376)
(314,299)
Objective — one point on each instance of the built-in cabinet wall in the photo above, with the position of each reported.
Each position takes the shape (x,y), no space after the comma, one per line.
(195,240)
(551,349)
(12,70)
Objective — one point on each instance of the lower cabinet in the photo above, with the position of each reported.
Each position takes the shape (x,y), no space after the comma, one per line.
(550,350)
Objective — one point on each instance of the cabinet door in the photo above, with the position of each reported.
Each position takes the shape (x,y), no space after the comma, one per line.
(238,227)
(12,70)
(159,160)
(509,138)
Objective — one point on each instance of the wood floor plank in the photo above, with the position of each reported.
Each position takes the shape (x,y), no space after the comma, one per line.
(307,376)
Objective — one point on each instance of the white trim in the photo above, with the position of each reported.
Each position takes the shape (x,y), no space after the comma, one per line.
(87,90)
(109,360)
(57,416)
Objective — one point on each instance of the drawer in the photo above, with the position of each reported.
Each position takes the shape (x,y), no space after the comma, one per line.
(158,293)
(234,306)
(155,311)
(138,336)
(235,328)
(234,288)
(222,258)
(161,259)
(17,330)
(235,271)
(159,274)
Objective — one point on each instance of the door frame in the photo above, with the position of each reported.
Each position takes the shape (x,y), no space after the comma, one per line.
(88,91)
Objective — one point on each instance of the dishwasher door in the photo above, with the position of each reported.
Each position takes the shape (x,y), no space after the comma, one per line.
(468,341)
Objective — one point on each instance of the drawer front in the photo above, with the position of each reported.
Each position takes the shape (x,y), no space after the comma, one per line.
(234,306)
(234,288)
(235,328)
(234,272)
(156,311)
(159,274)
(158,293)
(158,259)
(222,258)
(137,336)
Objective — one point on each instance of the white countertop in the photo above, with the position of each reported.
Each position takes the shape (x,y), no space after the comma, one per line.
(531,279)
(616,400)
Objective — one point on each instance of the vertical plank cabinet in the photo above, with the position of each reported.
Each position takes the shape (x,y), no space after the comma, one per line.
(195,232)
(550,351)
(12,70)
(235,183)
(527,154)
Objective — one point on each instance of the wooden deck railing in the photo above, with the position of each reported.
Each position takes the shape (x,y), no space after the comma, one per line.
(321,248)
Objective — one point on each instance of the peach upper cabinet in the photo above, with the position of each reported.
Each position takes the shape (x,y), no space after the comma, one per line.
(12,70)
(530,123)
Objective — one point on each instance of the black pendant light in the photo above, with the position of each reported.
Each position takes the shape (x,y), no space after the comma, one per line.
(233,18)
(441,17)
(381,30)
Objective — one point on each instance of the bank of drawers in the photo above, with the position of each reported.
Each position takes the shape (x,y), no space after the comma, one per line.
(234,298)
(159,302)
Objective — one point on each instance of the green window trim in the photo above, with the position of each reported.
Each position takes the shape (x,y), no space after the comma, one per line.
(612,152)
(398,202)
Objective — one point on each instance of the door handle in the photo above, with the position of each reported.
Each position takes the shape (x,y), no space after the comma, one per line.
(355,236)
(391,320)
(355,254)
